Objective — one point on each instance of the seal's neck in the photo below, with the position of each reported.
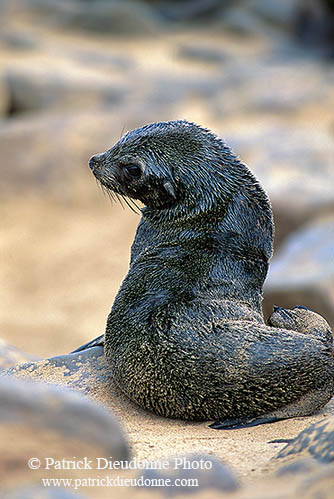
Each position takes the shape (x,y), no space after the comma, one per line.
(224,248)
(240,224)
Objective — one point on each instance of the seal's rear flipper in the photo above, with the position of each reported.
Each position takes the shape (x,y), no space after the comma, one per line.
(236,424)
(99,341)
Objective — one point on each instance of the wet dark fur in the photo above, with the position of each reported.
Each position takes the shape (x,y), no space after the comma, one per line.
(186,337)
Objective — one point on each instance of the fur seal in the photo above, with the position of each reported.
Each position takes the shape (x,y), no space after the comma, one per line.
(186,337)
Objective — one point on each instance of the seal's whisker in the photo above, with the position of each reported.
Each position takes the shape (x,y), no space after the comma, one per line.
(112,196)
(115,196)
(108,193)
(119,199)
(128,202)
(103,189)
(98,184)
(135,204)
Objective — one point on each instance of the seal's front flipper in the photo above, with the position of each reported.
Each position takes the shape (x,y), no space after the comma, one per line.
(99,341)
(236,424)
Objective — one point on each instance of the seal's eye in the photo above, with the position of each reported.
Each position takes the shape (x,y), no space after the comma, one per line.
(132,171)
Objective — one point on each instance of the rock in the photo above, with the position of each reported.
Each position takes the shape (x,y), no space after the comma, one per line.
(185,11)
(280,82)
(31,164)
(4,96)
(203,53)
(11,356)
(316,484)
(46,407)
(43,88)
(286,86)
(129,18)
(305,479)
(315,442)
(304,467)
(241,22)
(202,470)
(281,14)
(18,40)
(261,17)
(103,59)
(81,371)
(314,26)
(49,424)
(295,168)
(302,272)
(169,90)
(38,492)
(114,17)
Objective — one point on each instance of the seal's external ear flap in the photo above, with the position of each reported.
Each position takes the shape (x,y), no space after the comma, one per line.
(170,189)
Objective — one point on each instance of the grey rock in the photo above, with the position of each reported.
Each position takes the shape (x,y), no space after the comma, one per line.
(298,466)
(199,53)
(167,89)
(282,82)
(204,471)
(103,59)
(242,22)
(286,86)
(4,97)
(114,17)
(302,272)
(18,40)
(280,13)
(37,492)
(34,88)
(314,26)
(196,10)
(80,371)
(41,406)
(129,18)
(315,442)
(296,169)
(260,17)
(49,422)
(33,166)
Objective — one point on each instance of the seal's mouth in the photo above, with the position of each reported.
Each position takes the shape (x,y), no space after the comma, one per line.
(110,186)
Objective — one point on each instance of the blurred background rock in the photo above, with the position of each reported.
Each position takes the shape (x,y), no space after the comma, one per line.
(76,74)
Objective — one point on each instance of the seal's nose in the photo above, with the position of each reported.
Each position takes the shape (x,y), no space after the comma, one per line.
(97,161)
(93,162)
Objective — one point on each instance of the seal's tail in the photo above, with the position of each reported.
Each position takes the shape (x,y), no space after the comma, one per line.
(98,342)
